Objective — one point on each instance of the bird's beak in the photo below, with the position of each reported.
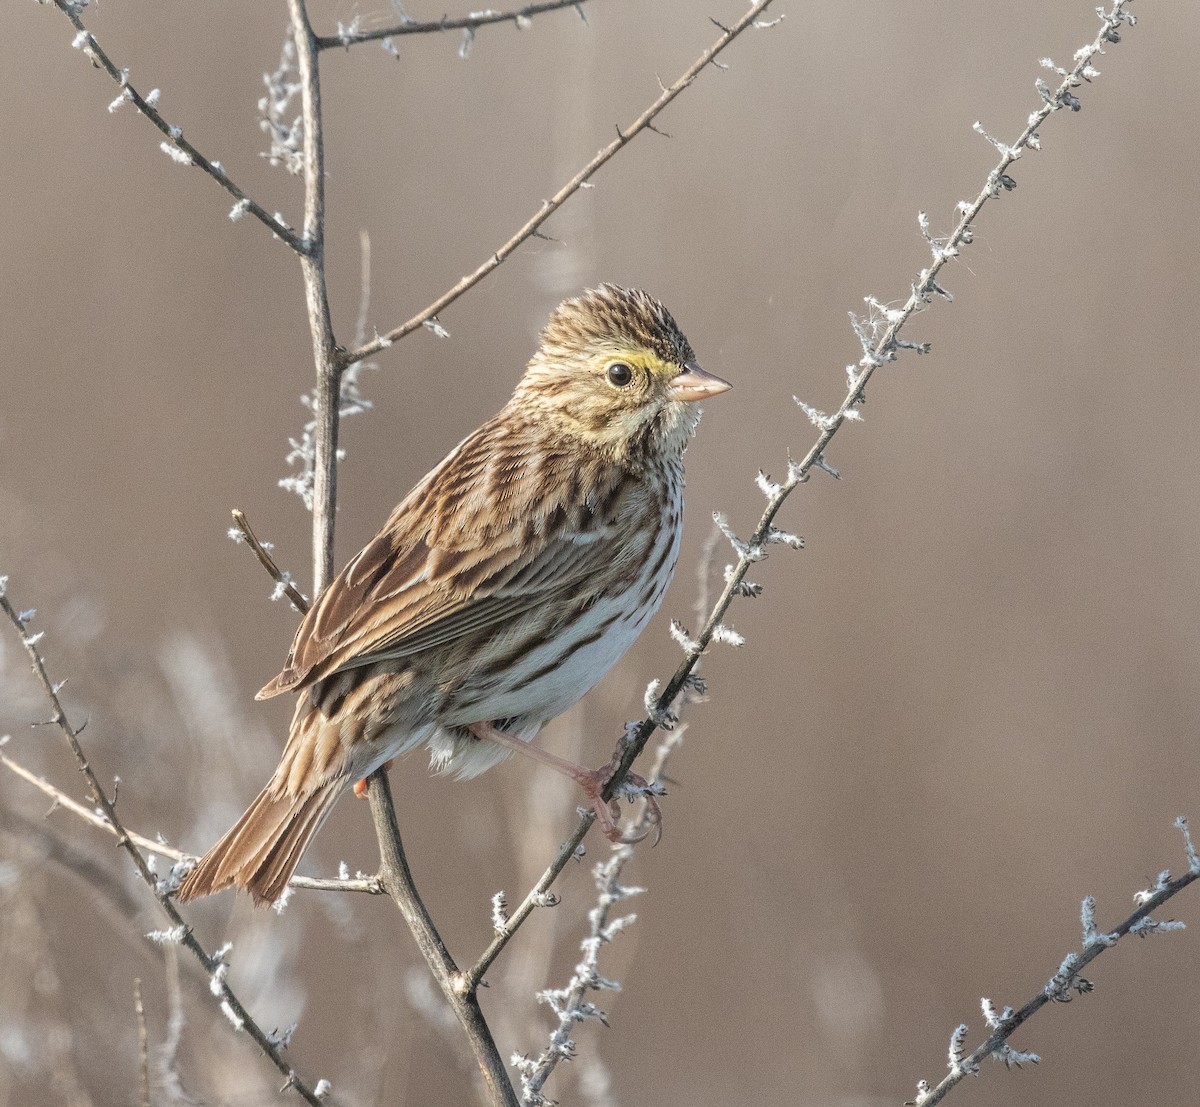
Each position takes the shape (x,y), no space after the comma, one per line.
(695,384)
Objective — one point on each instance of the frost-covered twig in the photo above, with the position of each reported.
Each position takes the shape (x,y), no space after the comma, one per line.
(881,343)
(351,401)
(570,1003)
(1066,983)
(879,336)
(520,17)
(175,145)
(549,207)
(283,580)
(213,964)
(285,130)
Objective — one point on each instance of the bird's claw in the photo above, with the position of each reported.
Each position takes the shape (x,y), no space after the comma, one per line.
(608,812)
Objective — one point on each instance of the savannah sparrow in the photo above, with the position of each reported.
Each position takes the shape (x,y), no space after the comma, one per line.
(501,589)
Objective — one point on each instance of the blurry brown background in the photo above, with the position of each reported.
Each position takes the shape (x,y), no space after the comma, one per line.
(971,701)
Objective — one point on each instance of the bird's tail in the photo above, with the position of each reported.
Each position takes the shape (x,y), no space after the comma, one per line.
(261,850)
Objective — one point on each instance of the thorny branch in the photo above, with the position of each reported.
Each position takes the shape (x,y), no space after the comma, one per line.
(179,931)
(881,343)
(1066,982)
(353,34)
(549,207)
(176,146)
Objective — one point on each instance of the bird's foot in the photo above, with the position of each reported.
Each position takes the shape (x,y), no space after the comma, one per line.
(608,812)
(593,783)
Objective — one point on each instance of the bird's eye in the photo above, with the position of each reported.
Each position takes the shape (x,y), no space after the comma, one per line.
(619,374)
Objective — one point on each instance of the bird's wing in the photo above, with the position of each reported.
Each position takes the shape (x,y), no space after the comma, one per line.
(494,532)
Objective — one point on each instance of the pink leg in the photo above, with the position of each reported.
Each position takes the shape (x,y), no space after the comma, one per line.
(360,786)
(592,781)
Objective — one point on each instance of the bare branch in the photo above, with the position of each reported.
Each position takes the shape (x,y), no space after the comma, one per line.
(282,580)
(397,881)
(549,207)
(320,324)
(178,147)
(520,17)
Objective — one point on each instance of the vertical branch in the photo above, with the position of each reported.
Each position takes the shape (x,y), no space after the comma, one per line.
(326,356)
(460,994)
(331,361)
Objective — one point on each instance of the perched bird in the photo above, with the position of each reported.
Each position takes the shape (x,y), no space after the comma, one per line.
(501,589)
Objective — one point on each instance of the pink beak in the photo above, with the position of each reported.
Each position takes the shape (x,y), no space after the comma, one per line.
(695,384)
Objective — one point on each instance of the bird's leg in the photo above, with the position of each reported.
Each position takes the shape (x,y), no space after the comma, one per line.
(360,786)
(592,781)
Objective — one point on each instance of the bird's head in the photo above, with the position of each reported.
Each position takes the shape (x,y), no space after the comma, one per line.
(614,370)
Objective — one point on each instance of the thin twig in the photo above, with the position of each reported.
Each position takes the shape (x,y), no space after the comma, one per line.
(369,885)
(878,352)
(352,36)
(176,145)
(549,207)
(179,928)
(1065,982)
(569,1003)
(167,1061)
(364,286)
(297,598)
(398,883)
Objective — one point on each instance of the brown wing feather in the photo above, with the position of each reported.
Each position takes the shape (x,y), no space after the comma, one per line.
(485,537)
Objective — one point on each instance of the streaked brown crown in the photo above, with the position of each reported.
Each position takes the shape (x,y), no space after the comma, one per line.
(615,317)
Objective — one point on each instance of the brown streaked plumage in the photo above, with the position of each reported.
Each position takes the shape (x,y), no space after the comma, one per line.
(500,590)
